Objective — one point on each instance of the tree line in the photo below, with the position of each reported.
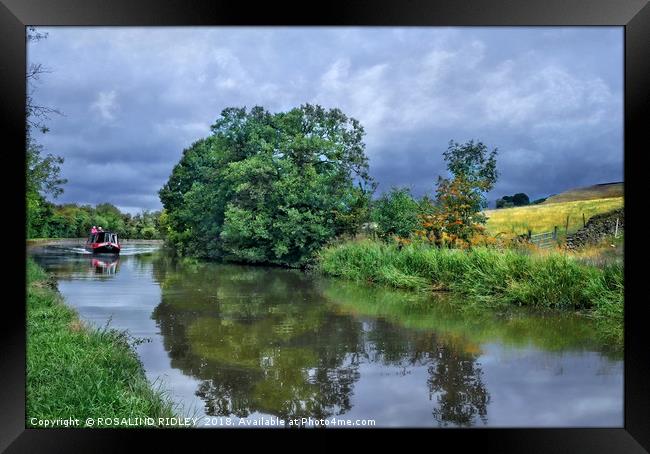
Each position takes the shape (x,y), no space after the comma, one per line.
(517,200)
(75,221)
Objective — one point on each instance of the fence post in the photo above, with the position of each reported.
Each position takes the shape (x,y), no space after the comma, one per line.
(529,233)
(555,232)
(583,220)
(566,227)
(616,230)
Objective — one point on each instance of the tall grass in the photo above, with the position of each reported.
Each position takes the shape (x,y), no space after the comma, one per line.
(543,218)
(79,372)
(486,276)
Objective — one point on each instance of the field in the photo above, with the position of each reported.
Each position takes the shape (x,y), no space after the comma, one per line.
(598,191)
(543,217)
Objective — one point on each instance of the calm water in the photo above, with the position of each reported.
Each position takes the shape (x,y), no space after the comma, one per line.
(267,343)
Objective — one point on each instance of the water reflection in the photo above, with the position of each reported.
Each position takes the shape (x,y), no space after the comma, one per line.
(105,264)
(291,345)
(258,342)
(456,380)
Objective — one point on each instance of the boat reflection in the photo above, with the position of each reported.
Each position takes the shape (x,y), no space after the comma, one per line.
(105,264)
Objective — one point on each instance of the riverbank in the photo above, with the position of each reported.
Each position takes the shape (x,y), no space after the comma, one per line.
(488,277)
(77,371)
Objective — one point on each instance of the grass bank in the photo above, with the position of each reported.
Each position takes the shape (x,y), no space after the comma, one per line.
(75,371)
(488,277)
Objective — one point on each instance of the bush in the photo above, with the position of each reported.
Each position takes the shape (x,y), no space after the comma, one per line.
(148,233)
(396,213)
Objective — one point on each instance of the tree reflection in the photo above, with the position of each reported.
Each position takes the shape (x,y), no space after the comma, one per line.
(248,333)
(456,378)
(269,341)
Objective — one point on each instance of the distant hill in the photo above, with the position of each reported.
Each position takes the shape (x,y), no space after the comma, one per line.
(597,191)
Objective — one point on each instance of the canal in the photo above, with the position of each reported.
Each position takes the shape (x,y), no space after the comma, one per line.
(229,342)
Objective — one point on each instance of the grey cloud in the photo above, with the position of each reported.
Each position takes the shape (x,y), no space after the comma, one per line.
(549,98)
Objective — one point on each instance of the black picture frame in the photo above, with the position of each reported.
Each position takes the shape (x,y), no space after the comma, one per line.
(633,15)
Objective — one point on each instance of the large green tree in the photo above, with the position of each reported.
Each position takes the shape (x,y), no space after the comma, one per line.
(269,187)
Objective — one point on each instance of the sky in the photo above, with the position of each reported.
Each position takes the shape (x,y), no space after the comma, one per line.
(550,99)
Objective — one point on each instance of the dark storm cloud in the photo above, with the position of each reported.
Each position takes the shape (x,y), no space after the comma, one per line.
(549,98)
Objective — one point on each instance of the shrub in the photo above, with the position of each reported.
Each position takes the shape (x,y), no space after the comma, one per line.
(396,213)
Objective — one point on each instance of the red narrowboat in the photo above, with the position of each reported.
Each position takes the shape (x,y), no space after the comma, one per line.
(103,243)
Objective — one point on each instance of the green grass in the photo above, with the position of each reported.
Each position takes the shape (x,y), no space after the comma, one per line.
(487,277)
(544,217)
(77,371)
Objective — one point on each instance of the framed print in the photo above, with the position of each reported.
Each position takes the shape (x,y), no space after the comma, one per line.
(397,216)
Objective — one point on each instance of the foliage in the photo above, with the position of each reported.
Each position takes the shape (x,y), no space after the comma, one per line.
(457,216)
(74,221)
(268,188)
(517,200)
(396,213)
(608,293)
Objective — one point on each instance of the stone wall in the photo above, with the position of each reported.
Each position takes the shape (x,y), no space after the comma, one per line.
(597,228)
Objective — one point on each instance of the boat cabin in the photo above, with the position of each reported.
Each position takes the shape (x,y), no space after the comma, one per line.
(103,237)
